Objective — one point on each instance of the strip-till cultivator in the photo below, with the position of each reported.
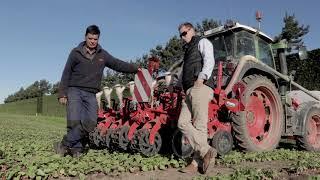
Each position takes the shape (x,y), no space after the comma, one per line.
(146,122)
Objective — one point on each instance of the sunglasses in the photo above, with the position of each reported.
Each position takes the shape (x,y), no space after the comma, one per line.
(183,34)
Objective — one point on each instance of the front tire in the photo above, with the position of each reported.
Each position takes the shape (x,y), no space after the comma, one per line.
(309,113)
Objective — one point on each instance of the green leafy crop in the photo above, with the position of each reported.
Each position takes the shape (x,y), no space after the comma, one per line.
(26,150)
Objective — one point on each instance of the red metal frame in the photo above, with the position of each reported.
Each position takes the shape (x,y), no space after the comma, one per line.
(167,112)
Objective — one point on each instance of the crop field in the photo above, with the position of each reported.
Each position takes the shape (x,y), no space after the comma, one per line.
(26,153)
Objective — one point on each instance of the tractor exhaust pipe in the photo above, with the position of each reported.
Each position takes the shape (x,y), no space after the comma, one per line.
(284,71)
(107,93)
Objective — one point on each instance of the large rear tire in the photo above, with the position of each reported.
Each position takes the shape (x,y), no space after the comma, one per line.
(309,113)
(260,126)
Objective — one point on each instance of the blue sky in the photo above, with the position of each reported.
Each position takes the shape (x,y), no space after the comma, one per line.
(37,35)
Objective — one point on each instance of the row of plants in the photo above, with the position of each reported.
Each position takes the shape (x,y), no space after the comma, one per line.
(26,152)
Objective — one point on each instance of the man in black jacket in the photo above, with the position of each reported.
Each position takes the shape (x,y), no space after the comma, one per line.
(79,84)
(197,81)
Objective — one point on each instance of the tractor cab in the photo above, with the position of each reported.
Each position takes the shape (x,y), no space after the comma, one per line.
(233,41)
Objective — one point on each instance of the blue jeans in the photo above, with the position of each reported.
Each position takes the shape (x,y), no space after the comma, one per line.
(82,108)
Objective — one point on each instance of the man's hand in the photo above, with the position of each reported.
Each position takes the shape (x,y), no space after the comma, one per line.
(198,83)
(63,100)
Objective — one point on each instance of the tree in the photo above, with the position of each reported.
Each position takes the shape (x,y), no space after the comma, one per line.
(32,90)
(111,78)
(55,87)
(9,99)
(44,87)
(172,52)
(20,94)
(207,24)
(293,31)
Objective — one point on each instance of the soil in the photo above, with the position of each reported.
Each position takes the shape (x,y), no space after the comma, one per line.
(173,174)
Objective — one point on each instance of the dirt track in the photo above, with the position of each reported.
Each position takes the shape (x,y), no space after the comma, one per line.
(174,174)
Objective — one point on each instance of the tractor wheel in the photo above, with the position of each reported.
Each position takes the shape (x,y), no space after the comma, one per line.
(115,137)
(113,140)
(180,145)
(260,125)
(95,139)
(123,137)
(145,147)
(107,138)
(222,141)
(134,143)
(309,113)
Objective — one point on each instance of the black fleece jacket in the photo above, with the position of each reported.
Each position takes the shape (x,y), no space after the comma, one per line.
(86,74)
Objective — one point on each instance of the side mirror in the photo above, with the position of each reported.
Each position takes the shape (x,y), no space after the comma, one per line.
(302,51)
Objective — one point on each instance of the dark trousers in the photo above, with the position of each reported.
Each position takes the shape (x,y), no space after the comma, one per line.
(82,117)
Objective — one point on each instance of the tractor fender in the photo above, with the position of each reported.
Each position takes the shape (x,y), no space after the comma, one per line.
(253,68)
(302,97)
(249,70)
(248,65)
(302,114)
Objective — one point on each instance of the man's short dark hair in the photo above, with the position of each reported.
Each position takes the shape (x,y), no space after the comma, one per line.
(186,24)
(93,29)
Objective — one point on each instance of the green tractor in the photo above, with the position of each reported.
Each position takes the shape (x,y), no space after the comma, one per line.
(249,60)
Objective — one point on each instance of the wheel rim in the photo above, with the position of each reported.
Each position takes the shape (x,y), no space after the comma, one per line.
(262,114)
(313,130)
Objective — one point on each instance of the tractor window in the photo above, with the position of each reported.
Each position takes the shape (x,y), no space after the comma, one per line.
(245,44)
(265,54)
(222,46)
